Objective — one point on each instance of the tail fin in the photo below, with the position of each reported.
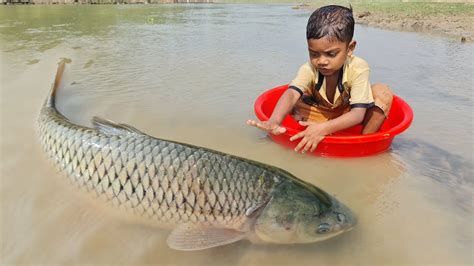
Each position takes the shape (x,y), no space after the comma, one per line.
(57,81)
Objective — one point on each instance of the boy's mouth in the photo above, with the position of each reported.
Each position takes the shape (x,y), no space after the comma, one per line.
(324,71)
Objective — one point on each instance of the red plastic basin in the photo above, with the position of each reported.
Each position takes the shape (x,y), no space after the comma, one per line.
(345,143)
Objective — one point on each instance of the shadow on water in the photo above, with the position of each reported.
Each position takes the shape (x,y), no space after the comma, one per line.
(442,166)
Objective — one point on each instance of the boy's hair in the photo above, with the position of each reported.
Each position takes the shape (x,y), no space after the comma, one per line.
(335,22)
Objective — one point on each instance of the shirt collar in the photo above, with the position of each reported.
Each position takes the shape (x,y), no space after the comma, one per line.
(321,83)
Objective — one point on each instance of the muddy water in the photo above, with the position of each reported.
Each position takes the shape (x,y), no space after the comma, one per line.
(191,73)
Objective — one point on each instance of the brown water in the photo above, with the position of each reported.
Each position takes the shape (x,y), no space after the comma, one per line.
(191,74)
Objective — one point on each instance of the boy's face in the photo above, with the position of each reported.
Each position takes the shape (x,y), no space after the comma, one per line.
(329,55)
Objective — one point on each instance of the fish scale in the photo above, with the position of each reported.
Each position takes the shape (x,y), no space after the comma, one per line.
(167,181)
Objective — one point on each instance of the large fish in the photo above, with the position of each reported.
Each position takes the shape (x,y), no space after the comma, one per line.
(207,197)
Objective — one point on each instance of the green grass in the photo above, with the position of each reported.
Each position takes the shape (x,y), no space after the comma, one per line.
(417,8)
(407,8)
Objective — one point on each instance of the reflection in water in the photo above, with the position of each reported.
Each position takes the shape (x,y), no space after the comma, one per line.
(191,74)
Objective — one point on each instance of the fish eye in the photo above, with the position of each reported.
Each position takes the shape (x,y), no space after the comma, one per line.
(323,228)
(340,218)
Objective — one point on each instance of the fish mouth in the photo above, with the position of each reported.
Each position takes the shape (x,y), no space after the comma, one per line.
(329,236)
(350,220)
(353,220)
(343,229)
(348,228)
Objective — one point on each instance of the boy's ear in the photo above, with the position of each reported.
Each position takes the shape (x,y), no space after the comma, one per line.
(351,47)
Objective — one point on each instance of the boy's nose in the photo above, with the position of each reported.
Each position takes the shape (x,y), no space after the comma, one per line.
(323,62)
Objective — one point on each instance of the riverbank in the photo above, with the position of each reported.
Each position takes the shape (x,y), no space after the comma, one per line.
(452,20)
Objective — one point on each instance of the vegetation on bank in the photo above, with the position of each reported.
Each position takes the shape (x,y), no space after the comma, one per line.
(406,8)
(453,20)
(392,6)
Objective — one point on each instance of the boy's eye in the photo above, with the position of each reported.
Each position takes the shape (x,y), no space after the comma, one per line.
(332,54)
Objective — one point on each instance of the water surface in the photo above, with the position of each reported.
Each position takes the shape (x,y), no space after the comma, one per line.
(190,73)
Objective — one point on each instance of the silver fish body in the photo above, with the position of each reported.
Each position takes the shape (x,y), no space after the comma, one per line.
(210,198)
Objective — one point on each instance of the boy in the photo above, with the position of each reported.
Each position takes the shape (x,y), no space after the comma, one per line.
(331,92)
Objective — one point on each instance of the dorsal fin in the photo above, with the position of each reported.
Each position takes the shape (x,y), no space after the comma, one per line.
(109,127)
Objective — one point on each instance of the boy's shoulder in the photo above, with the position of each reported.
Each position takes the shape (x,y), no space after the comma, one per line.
(357,63)
(307,66)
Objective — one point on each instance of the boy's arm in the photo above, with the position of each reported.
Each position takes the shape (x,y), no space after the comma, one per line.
(315,132)
(354,117)
(283,107)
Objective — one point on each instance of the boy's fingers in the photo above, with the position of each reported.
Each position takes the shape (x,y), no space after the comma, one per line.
(263,126)
(315,144)
(301,144)
(257,124)
(278,130)
(313,147)
(297,136)
(274,129)
(304,123)
(251,122)
(307,146)
(282,130)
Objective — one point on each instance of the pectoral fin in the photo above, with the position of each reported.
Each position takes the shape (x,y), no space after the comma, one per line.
(191,237)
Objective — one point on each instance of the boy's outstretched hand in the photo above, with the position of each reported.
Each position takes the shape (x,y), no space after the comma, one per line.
(310,137)
(268,126)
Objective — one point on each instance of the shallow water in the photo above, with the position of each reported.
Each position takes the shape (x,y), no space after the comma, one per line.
(191,73)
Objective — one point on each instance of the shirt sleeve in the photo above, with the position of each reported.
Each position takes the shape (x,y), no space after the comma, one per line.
(304,80)
(361,92)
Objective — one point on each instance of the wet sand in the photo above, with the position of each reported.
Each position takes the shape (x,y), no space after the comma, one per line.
(457,26)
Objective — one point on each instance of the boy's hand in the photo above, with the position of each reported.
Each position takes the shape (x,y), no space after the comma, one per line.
(268,126)
(311,136)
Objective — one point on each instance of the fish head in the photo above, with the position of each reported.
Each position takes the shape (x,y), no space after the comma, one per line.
(299,212)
